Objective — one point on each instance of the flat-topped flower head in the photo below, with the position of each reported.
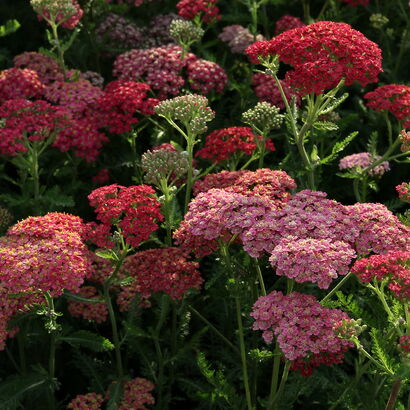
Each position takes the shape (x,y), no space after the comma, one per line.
(303,328)
(263,116)
(205,76)
(403,190)
(225,143)
(238,38)
(393,98)
(184,32)
(163,165)
(206,10)
(89,401)
(287,22)
(136,394)
(405,141)
(66,13)
(321,55)
(361,160)
(191,110)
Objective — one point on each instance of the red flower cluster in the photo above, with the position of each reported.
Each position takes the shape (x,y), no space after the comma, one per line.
(133,209)
(158,270)
(20,83)
(394,266)
(222,144)
(29,121)
(393,98)
(120,102)
(404,344)
(286,23)
(206,9)
(205,76)
(321,55)
(267,90)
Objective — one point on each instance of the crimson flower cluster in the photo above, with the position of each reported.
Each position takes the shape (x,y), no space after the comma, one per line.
(133,209)
(303,327)
(205,9)
(393,98)
(205,76)
(286,23)
(392,266)
(224,143)
(165,270)
(321,55)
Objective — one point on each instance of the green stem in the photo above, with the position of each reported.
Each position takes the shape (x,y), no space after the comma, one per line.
(394,394)
(356,190)
(226,256)
(275,372)
(214,329)
(336,288)
(57,44)
(374,361)
(190,149)
(167,211)
(260,277)
(275,399)
(253,8)
(262,150)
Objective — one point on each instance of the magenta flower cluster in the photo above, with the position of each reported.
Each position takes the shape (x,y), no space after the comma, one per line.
(361,161)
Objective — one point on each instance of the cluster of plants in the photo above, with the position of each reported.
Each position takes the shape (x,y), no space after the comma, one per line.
(204,204)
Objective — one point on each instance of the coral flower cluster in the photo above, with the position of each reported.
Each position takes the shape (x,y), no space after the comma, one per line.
(89,401)
(304,328)
(165,270)
(134,210)
(222,144)
(321,55)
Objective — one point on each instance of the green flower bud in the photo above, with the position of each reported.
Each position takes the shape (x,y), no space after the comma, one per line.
(263,117)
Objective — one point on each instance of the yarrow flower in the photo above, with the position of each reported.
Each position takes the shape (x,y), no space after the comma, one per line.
(405,141)
(287,22)
(321,55)
(46,68)
(205,76)
(96,79)
(164,165)
(404,344)
(362,160)
(66,13)
(206,10)
(393,98)
(20,83)
(133,209)
(222,144)
(44,253)
(184,32)
(159,67)
(238,38)
(157,33)
(117,34)
(165,270)
(403,191)
(89,401)
(304,328)
(136,393)
(93,312)
(311,260)
(102,177)
(191,110)
(356,3)
(392,266)
(266,90)
(264,117)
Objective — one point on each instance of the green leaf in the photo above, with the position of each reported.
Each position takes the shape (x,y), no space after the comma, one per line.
(81,299)
(372,143)
(88,340)
(325,126)
(115,394)
(379,349)
(9,27)
(334,104)
(65,46)
(338,147)
(107,254)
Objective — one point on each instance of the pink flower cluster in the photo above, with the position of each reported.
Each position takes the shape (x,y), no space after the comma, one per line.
(94,312)
(20,83)
(205,76)
(117,33)
(218,215)
(44,253)
(89,401)
(403,191)
(133,209)
(120,102)
(162,68)
(266,90)
(46,68)
(165,270)
(286,23)
(311,260)
(66,13)
(361,161)
(222,144)
(393,98)
(302,326)
(238,38)
(205,9)
(322,54)
(25,121)
(405,140)
(136,394)
(393,266)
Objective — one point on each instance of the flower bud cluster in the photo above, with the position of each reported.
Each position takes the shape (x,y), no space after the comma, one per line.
(191,110)
(378,21)
(66,13)
(164,165)
(184,32)
(263,116)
